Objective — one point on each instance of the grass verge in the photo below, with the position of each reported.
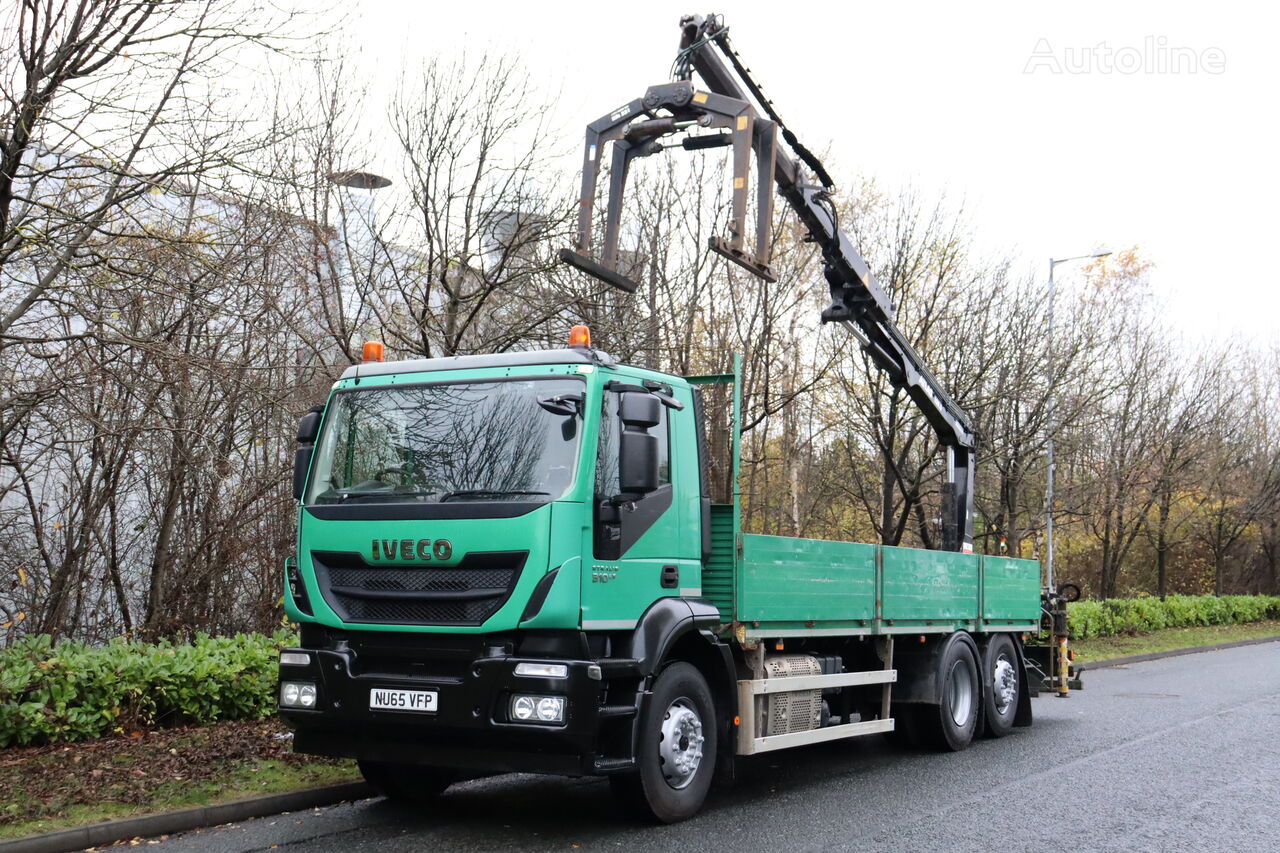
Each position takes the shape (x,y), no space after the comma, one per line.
(1105,648)
(47,788)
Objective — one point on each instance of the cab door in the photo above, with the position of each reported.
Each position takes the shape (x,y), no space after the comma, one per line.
(640,550)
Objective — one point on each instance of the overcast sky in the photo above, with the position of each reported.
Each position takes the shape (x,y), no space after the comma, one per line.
(1063,126)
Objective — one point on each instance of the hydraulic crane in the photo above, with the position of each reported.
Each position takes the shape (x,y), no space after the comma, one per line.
(733,105)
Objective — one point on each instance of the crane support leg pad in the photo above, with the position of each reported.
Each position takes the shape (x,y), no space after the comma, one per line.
(613,278)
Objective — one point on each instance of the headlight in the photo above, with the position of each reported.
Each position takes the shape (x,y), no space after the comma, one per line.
(537,709)
(523,707)
(298,694)
(551,709)
(295,659)
(543,670)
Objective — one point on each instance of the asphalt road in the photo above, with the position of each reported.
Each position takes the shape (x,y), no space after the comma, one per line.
(1177,754)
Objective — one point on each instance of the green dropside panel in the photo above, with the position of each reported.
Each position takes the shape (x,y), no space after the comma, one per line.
(805,580)
(929,585)
(1011,590)
(718,572)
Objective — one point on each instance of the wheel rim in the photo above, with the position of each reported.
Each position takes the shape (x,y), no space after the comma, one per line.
(680,743)
(1004,685)
(960,693)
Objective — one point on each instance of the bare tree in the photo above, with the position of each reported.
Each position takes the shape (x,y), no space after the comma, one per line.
(1183,426)
(485,208)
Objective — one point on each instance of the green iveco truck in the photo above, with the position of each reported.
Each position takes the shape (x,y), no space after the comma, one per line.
(534,561)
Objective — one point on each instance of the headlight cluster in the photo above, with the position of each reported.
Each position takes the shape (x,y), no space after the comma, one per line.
(297,694)
(537,709)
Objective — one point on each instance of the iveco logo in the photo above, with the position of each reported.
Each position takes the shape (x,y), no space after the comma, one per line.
(412,549)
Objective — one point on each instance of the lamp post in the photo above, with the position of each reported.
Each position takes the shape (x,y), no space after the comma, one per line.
(1052,425)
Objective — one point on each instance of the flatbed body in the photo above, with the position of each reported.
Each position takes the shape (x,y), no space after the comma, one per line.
(777,586)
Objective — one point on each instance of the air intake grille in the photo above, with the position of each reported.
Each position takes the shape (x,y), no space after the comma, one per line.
(465,594)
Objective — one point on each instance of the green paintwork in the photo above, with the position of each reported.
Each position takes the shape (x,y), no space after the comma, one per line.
(557,535)
(768,583)
(616,593)
(803,580)
(929,585)
(1010,589)
(780,583)
(531,532)
(719,574)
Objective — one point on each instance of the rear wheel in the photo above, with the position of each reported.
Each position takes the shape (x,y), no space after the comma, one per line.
(951,724)
(1000,685)
(675,751)
(406,783)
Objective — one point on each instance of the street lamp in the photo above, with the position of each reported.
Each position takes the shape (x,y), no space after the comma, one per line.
(1048,495)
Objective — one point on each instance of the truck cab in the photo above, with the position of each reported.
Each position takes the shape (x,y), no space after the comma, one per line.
(490,550)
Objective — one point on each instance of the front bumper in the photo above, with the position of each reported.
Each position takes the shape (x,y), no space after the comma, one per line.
(471,727)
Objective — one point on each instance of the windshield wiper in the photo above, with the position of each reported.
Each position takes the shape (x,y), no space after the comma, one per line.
(380,493)
(494,493)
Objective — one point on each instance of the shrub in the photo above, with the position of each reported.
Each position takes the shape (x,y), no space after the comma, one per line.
(1115,616)
(69,691)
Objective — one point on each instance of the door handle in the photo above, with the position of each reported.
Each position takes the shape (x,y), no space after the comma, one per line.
(670,577)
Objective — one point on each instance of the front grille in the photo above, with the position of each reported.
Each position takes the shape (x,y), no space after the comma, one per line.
(465,594)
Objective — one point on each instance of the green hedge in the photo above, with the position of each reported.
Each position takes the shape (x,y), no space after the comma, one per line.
(1115,616)
(70,691)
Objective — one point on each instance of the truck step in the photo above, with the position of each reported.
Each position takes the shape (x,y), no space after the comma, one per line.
(619,667)
(610,712)
(614,765)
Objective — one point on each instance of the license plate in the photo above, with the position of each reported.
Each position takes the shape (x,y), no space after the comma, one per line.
(403,700)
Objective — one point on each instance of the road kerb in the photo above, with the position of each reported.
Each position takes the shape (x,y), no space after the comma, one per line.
(167,823)
(1172,653)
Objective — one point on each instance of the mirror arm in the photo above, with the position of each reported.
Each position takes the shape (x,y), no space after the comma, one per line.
(667,400)
(657,389)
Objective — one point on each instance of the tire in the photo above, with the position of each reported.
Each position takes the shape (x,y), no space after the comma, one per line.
(675,749)
(951,724)
(1000,685)
(406,783)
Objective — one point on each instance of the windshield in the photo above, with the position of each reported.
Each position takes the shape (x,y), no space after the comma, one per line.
(478,441)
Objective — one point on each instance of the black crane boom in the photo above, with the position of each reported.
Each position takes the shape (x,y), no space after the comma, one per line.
(733,102)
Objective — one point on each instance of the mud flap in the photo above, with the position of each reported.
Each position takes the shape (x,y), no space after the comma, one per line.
(1022,717)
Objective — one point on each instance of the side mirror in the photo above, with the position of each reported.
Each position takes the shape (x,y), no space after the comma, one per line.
(308,428)
(637,449)
(637,463)
(639,410)
(301,464)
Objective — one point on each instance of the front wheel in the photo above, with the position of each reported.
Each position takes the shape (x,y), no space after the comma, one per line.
(676,749)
